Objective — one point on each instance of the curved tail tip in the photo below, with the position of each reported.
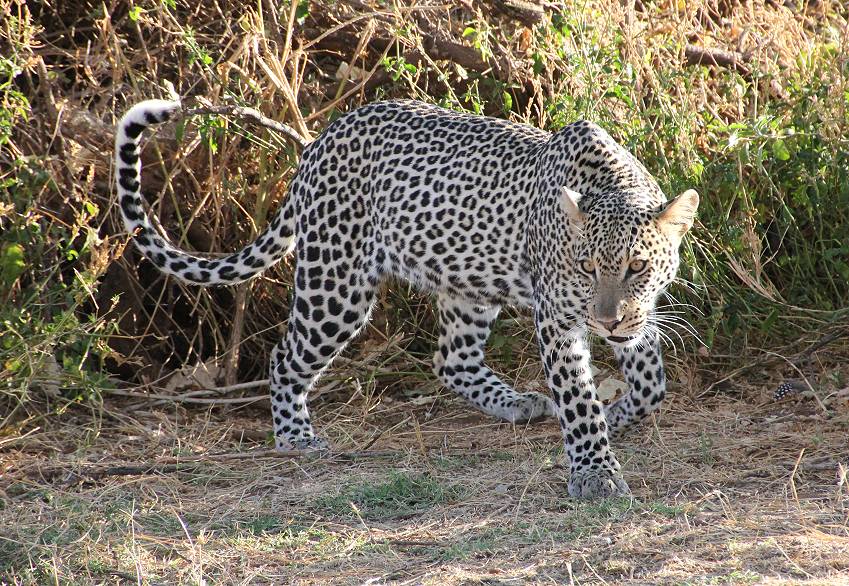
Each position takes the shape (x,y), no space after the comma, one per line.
(152,111)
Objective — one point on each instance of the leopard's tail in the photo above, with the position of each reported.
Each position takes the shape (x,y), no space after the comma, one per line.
(274,243)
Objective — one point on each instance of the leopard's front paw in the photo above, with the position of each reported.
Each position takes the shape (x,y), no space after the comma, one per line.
(307,444)
(594,483)
(530,407)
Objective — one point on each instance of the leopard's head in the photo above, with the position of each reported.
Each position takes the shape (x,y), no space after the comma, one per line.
(625,257)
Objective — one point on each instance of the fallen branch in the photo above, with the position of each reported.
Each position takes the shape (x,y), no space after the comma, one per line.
(436,45)
(528,13)
(188,397)
(240,386)
(732,60)
(827,338)
(254,116)
(710,56)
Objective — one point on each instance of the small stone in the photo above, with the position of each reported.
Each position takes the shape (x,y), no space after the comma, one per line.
(609,388)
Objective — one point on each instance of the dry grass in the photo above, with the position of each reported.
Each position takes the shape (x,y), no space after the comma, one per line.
(116,467)
(726,491)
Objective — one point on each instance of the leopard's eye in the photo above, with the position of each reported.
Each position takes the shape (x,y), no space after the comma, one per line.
(587,266)
(637,265)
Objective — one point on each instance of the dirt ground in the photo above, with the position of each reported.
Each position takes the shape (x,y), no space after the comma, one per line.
(728,488)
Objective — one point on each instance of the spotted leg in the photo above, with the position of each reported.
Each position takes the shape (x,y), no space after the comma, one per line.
(321,323)
(594,470)
(642,367)
(464,329)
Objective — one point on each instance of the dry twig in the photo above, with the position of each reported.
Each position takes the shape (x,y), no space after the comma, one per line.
(254,116)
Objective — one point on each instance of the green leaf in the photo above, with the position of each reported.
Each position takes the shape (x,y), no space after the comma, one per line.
(697,168)
(135,12)
(13,365)
(539,63)
(779,150)
(302,11)
(767,324)
(12,263)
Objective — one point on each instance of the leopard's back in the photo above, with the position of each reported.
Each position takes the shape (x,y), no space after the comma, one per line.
(443,196)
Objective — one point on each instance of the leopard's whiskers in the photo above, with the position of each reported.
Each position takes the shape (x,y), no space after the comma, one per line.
(674,302)
(658,331)
(672,322)
(689,285)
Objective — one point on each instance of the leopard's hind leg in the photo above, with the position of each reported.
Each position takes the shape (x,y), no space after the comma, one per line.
(464,329)
(331,304)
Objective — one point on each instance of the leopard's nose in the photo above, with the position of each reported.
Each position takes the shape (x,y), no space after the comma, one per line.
(611,324)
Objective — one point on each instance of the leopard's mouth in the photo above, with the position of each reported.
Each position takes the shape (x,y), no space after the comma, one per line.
(624,335)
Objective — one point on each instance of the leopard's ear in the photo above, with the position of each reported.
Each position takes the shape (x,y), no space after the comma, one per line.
(570,201)
(678,215)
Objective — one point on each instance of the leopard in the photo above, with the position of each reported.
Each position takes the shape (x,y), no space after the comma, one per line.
(482,213)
